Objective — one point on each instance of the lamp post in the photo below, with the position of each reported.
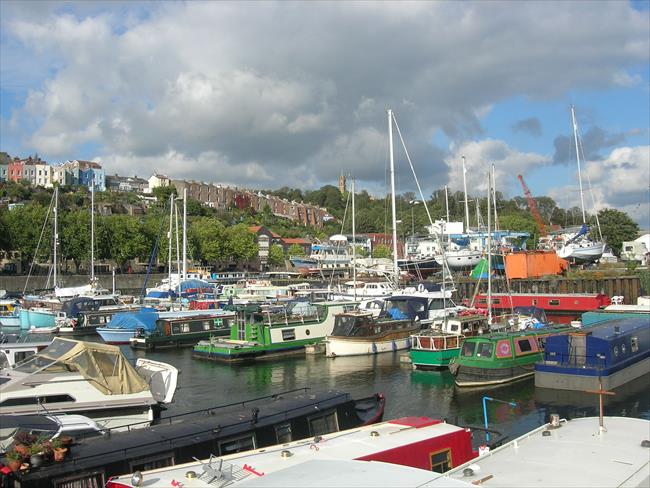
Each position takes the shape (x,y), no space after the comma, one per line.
(413,203)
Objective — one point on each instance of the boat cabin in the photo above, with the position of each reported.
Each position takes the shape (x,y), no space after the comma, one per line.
(363,324)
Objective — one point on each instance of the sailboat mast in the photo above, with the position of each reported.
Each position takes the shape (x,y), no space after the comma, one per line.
(489,246)
(354,244)
(92,230)
(465,191)
(494,199)
(56,231)
(575,137)
(392,191)
(171,235)
(447,203)
(184,275)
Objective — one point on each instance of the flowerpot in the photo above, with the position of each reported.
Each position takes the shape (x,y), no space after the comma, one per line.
(66,440)
(14,465)
(37,460)
(60,453)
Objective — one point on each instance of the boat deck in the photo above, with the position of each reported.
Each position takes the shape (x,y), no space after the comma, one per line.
(575,454)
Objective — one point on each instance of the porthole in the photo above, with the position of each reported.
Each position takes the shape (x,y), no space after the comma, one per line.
(615,351)
(306,331)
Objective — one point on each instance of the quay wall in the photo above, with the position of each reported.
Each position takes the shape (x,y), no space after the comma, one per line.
(127,284)
(628,287)
(130,284)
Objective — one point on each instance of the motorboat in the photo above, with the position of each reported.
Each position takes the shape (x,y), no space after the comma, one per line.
(87,378)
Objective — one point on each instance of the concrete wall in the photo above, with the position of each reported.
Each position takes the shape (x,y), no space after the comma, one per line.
(128,284)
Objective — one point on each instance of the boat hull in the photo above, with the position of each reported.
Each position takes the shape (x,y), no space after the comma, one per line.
(423,359)
(153,342)
(115,336)
(460,260)
(231,352)
(468,376)
(583,254)
(335,346)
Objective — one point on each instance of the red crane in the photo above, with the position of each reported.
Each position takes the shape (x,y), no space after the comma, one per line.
(533,207)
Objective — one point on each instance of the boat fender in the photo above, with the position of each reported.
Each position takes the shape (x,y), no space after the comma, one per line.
(394,346)
(408,343)
(374,348)
(420,287)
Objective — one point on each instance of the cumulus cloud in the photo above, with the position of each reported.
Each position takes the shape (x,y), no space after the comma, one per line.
(621,180)
(593,141)
(531,125)
(479,158)
(277,93)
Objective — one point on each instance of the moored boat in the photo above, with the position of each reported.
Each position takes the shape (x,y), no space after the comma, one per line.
(183,331)
(275,331)
(501,357)
(285,417)
(435,348)
(358,333)
(606,355)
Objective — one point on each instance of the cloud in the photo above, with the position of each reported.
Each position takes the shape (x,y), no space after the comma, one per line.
(621,180)
(531,125)
(593,141)
(479,158)
(281,93)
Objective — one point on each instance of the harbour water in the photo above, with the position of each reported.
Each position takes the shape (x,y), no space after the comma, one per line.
(204,384)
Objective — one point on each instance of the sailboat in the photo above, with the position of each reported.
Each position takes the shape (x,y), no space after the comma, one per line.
(580,247)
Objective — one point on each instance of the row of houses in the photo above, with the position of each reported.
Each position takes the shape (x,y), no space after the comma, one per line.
(90,173)
(222,197)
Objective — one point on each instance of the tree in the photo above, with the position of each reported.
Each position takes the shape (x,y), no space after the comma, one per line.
(296,250)
(24,225)
(616,227)
(382,251)
(74,235)
(206,236)
(162,193)
(520,223)
(127,239)
(241,244)
(276,255)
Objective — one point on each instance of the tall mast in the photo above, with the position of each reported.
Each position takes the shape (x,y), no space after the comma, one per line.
(489,246)
(494,199)
(56,230)
(465,191)
(92,230)
(392,191)
(478,215)
(447,224)
(575,137)
(184,275)
(354,244)
(171,235)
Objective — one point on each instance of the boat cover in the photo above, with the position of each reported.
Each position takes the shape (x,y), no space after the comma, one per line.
(144,319)
(103,365)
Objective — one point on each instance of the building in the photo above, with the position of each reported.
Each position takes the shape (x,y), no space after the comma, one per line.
(126,183)
(83,173)
(157,180)
(287,242)
(15,170)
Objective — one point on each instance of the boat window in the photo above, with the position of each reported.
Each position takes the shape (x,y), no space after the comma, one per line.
(615,355)
(15,402)
(554,302)
(485,350)
(454,327)
(441,461)
(623,348)
(468,348)
(4,362)
(237,444)
(88,480)
(185,327)
(323,424)
(524,346)
(206,325)
(496,301)
(289,334)
(152,462)
(634,344)
(22,355)
(283,433)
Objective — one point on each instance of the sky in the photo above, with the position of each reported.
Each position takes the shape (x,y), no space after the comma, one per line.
(272,94)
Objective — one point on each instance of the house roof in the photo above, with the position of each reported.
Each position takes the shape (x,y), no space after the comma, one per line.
(256,228)
(295,240)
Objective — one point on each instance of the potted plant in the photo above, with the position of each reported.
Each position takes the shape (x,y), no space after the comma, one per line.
(23,442)
(37,452)
(58,449)
(13,460)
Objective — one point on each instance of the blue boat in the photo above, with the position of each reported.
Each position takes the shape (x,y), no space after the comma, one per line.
(611,353)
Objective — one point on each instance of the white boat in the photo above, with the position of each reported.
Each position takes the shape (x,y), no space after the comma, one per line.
(561,454)
(87,378)
(366,290)
(580,248)
(459,258)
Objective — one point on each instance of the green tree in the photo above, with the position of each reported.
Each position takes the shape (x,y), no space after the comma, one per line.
(206,236)
(74,235)
(162,193)
(276,255)
(127,240)
(241,244)
(296,250)
(617,227)
(520,223)
(382,251)
(23,226)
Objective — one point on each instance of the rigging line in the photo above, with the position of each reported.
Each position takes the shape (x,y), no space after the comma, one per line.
(31,267)
(413,170)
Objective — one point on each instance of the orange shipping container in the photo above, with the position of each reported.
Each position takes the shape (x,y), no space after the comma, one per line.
(533,264)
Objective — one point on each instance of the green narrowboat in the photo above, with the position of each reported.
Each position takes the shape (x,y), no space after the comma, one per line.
(268,332)
(435,348)
(501,357)
(174,332)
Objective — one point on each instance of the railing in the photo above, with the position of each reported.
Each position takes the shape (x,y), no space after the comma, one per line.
(436,342)
(592,361)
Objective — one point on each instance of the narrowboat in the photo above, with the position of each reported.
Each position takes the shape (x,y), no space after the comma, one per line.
(222,430)
(560,307)
(183,331)
(431,445)
(501,357)
(618,311)
(358,333)
(268,332)
(434,348)
(613,352)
